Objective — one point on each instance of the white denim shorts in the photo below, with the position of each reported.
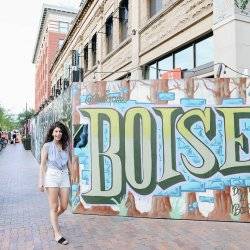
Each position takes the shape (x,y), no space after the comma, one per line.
(56,178)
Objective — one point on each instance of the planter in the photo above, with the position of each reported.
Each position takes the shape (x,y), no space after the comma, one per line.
(26,143)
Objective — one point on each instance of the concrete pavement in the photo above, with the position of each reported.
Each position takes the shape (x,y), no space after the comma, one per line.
(24,222)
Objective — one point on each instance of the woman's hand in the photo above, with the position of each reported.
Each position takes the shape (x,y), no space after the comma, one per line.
(41,187)
(43,168)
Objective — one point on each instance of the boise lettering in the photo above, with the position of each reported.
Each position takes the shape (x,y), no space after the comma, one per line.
(132,148)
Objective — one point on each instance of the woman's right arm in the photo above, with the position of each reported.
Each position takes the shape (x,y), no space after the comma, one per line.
(44,156)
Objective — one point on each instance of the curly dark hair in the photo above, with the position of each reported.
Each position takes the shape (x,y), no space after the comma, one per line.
(65,134)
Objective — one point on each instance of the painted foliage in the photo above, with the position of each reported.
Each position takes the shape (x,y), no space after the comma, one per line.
(58,110)
(162,149)
(241,4)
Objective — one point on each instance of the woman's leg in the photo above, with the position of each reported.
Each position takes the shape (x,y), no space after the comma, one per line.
(53,194)
(64,199)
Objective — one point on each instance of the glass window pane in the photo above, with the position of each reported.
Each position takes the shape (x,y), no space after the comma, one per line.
(185,59)
(165,65)
(85,56)
(63,27)
(109,33)
(123,15)
(158,5)
(155,6)
(152,72)
(94,49)
(204,51)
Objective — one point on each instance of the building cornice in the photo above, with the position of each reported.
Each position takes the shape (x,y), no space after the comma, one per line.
(45,10)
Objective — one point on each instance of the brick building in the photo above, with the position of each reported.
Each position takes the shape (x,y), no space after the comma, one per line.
(55,23)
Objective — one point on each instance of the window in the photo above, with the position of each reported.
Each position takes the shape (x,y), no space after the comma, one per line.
(58,87)
(185,58)
(75,75)
(198,53)
(204,51)
(75,58)
(123,19)
(155,7)
(60,43)
(151,72)
(164,65)
(63,27)
(86,59)
(93,49)
(109,34)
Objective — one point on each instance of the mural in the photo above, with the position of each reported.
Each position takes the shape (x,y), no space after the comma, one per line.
(241,4)
(162,149)
(228,9)
(58,110)
(242,8)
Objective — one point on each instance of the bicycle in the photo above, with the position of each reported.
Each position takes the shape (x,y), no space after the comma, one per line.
(3,142)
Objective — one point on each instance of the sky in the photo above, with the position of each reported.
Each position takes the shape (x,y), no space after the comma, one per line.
(19,23)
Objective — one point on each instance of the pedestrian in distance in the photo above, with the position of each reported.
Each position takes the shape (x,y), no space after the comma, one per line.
(14,137)
(54,175)
(9,136)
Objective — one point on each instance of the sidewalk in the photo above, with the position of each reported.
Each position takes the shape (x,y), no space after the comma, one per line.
(24,222)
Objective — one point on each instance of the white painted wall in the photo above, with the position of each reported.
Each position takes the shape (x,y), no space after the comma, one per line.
(232,36)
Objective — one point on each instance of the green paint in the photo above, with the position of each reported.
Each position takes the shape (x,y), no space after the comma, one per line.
(170,175)
(140,150)
(121,205)
(177,203)
(132,148)
(234,140)
(210,163)
(241,4)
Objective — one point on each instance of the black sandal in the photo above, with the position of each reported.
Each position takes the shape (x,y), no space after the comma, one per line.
(62,241)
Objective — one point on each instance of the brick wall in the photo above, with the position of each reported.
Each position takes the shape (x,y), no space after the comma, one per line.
(48,52)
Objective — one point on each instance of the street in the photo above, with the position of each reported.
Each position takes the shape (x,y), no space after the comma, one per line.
(24,222)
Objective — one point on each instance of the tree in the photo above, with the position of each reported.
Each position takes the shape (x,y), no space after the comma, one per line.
(7,120)
(23,123)
(23,117)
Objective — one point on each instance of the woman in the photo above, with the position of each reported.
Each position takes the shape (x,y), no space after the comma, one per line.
(55,169)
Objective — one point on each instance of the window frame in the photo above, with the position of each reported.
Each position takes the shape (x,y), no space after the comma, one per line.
(109,33)
(199,41)
(63,29)
(86,57)
(94,48)
(123,19)
(153,10)
(174,52)
(181,50)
